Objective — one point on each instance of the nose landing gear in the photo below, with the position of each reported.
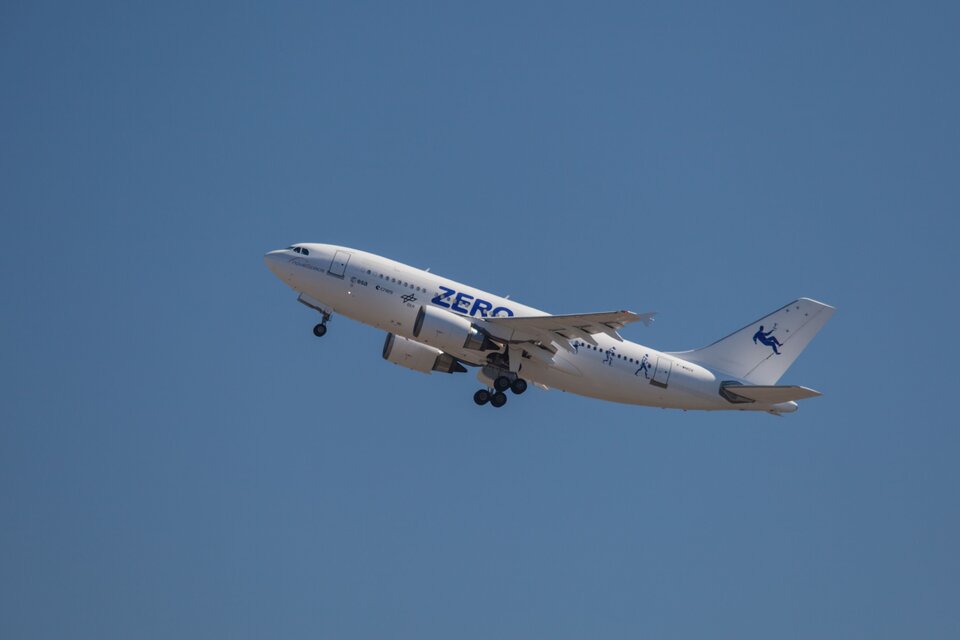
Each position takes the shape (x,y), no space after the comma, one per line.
(319,330)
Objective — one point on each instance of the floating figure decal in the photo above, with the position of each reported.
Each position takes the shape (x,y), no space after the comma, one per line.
(767,338)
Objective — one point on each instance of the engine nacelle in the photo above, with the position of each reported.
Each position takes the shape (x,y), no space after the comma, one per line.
(419,357)
(449,332)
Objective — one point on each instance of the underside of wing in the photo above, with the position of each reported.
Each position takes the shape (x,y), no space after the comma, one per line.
(562,329)
(764,394)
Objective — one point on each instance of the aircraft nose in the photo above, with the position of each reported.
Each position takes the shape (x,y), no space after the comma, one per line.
(273,260)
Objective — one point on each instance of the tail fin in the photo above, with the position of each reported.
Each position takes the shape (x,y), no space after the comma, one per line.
(763,350)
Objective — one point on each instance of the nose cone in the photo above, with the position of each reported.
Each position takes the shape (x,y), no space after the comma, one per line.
(275,260)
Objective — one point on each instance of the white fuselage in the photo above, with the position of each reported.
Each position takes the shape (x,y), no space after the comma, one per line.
(388,295)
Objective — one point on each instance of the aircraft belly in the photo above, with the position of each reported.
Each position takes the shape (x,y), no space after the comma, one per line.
(601,382)
(689,387)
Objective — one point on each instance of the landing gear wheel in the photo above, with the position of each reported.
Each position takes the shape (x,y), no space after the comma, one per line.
(502,383)
(519,386)
(481,397)
(320,330)
(498,399)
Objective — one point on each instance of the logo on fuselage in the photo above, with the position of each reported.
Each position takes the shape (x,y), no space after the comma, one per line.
(468,305)
(408,298)
(306,264)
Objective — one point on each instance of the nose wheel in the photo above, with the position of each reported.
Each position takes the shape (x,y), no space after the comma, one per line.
(320,330)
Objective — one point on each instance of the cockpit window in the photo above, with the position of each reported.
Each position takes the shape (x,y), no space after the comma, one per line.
(304,251)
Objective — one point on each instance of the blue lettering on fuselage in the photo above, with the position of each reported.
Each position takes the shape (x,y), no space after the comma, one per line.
(461,304)
(460,300)
(443,295)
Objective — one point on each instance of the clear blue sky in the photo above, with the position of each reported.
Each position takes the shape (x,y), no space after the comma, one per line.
(181,458)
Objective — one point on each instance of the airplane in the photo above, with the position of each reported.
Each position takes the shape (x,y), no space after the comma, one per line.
(435,324)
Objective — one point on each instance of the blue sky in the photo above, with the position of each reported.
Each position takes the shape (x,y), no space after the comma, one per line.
(179,456)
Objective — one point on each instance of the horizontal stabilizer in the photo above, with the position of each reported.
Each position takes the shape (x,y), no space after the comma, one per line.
(767,394)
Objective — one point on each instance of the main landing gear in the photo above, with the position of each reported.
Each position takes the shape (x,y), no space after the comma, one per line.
(496,396)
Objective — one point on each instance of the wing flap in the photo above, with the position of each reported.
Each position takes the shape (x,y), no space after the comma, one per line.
(557,328)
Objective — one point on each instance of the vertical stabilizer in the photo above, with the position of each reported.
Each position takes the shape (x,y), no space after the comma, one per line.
(763,350)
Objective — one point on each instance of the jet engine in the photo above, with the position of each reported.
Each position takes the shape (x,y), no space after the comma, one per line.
(419,357)
(450,332)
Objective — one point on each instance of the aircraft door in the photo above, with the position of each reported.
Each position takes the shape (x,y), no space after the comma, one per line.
(338,266)
(662,374)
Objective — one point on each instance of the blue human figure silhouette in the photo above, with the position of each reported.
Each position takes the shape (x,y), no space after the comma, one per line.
(767,338)
(610,353)
(644,367)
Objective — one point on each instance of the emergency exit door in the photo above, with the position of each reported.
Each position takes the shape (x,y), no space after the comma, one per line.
(662,375)
(338,266)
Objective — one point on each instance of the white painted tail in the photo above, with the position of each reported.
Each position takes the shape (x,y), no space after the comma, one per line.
(763,350)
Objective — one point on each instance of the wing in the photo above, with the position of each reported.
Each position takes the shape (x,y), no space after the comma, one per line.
(773,394)
(562,329)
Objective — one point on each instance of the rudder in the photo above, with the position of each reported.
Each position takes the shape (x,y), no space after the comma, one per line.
(763,350)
